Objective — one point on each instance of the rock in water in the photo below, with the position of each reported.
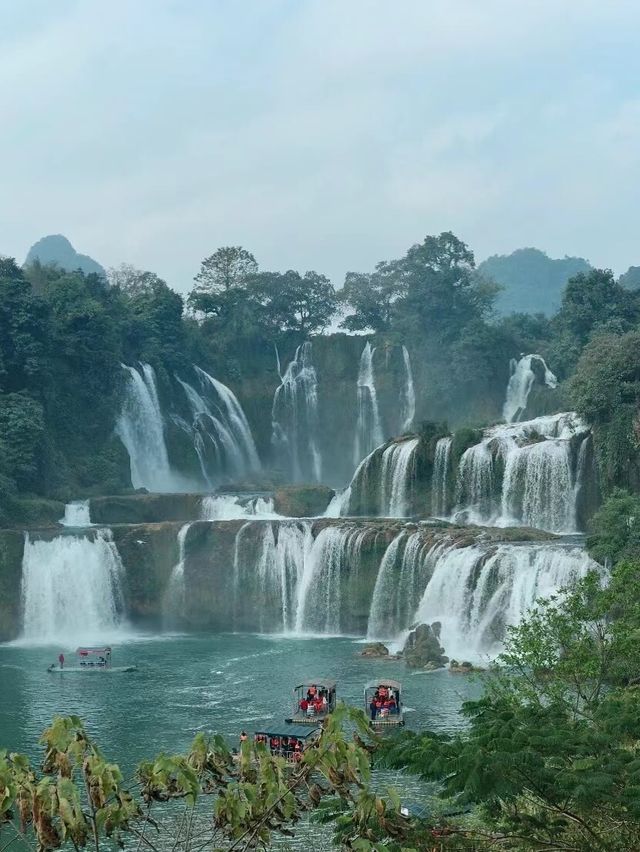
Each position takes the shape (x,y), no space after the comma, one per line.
(375,649)
(302,501)
(422,650)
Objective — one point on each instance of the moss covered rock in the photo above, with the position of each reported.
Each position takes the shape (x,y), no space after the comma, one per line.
(11,550)
(422,649)
(145,508)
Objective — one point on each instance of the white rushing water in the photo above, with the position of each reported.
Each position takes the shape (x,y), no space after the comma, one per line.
(383,480)
(408,395)
(230,507)
(294,417)
(174,598)
(368,427)
(221,433)
(76,514)
(520,384)
(522,473)
(476,592)
(140,427)
(72,589)
(440,477)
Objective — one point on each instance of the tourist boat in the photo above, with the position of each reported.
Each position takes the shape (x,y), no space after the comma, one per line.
(390,713)
(91,660)
(308,706)
(289,741)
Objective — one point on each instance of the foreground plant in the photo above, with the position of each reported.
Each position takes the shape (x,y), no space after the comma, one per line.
(207,798)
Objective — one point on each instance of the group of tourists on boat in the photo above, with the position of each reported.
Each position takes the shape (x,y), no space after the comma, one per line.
(384,702)
(315,702)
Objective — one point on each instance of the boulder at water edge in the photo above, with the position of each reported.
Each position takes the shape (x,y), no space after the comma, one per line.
(422,650)
(376,650)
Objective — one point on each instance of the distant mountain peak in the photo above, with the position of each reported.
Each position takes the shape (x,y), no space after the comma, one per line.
(56,249)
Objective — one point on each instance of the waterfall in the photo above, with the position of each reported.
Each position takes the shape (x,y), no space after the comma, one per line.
(522,473)
(141,429)
(475,483)
(294,416)
(174,598)
(368,428)
(440,479)
(270,569)
(476,592)
(72,589)
(332,555)
(396,478)
(537,488)
(230,507)
(76,514)
(404,570)
(408,396)
(221,434)
(382,483)
(520,384)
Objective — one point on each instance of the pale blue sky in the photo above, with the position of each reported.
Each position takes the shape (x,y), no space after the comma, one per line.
(320,134)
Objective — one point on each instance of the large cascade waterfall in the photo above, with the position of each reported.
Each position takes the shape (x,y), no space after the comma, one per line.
(520,384)
(524,473)
(141,429)
(221,433)
(354,577)
(294,417)
(369,427)
(476,592)
(72,589)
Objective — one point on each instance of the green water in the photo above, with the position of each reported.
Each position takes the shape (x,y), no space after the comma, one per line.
(187,684)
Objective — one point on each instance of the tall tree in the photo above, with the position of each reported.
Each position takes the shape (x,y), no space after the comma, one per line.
(289,301)
(372,297)
(227,267)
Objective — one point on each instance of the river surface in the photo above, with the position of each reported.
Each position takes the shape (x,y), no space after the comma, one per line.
(185,684)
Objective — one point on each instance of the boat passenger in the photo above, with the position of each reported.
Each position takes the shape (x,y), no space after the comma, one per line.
(373,709)
(311,709)
(303,705)
(243,737)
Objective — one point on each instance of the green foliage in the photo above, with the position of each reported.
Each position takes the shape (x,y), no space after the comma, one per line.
(631,278)
(551,757)
(21,438)
(615,529)
(605,390)
(79,798)
(372,297)
(226,268)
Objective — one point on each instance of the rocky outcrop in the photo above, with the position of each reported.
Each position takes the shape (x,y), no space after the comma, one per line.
(11,548)
(376,650)
(302,501)
(422,650)
(145,508)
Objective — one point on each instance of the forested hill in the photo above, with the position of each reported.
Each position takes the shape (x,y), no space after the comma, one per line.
(58,251)
(532,281)
(65,335)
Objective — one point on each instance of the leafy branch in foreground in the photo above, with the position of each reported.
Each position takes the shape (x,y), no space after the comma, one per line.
(78,798)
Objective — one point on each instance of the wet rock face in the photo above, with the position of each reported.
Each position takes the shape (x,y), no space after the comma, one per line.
(145,508)
(376,650)
(422,649)
(11,549)
(302,501)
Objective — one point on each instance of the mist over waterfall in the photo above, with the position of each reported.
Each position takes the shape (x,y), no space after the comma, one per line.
(520,383)
(476,592)
(524,473)
(221,434)
(294,417)
(369,427)
(140,427)
(72,589)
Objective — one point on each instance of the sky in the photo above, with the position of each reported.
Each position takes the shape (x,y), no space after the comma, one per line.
(319,134)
